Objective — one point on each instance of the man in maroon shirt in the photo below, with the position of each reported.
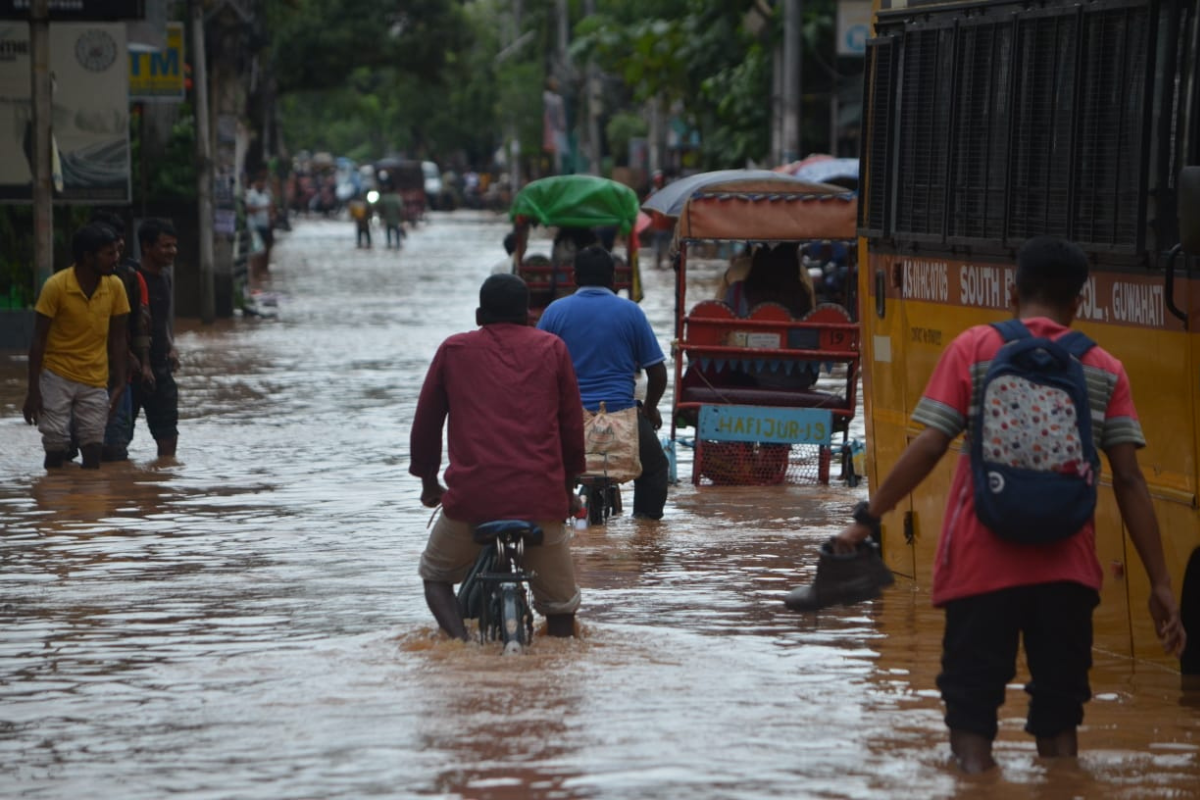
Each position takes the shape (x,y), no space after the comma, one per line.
(516,450)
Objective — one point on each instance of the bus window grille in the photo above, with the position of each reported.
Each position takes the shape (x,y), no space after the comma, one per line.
(984,61)
(1112,111)
(1039,190)
(881,90)
(924,122)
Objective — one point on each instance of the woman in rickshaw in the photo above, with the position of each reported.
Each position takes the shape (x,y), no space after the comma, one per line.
(776,276)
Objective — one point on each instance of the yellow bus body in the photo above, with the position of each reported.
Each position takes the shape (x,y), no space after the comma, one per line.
(919,292)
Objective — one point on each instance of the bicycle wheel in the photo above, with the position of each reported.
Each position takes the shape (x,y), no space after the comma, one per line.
(597,503)
(514,623)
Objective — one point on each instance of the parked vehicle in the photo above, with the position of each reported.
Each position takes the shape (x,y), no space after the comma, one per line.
(435,189)
(408,178)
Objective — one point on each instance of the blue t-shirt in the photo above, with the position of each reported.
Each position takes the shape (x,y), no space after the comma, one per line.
(609,339)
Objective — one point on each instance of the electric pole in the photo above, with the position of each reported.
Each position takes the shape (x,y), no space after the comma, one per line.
(204,177)
(43,186)
(792,47)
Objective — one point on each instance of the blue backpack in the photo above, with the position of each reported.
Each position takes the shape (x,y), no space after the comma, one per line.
(1033,461)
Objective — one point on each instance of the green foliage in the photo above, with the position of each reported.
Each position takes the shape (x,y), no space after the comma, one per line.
(173,176)
(641,42)
(621,128)
(690,52)
(444,79)
(739,110)
(16,257)
(313,41)
(455,101)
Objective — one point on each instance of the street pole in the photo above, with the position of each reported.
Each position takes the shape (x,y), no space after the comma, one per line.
(833,121)
(565,86)
(792,45)
(777,107)
(204,179)
(514,145)
(43,186)
(593,102)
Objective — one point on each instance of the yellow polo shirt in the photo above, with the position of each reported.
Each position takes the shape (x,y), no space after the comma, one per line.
(77,347)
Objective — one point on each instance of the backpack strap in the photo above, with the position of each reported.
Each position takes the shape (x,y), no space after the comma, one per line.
(1012,329)
(1076,343)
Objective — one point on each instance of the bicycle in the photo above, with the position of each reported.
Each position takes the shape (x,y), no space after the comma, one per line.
(601,497)
(494,592)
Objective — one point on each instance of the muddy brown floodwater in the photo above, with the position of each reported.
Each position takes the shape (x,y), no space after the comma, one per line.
(246,621)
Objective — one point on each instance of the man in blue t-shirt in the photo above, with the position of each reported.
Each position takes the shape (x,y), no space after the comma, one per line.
(610,339)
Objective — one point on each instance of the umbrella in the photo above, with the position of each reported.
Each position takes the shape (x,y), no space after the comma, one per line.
(670,199)
(642,222)
(791,168)
(827,170)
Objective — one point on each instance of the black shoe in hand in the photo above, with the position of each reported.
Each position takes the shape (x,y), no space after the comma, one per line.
(842,579)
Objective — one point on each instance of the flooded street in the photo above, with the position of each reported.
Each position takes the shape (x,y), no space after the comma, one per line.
(246,621)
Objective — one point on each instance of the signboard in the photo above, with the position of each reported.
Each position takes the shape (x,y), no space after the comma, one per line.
(78,10)
(89,113)
(853,27)
(157,76)
(766,425)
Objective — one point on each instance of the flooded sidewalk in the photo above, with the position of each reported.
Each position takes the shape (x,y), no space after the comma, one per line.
(246,621)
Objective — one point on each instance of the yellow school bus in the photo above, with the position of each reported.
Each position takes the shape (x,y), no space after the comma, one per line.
(985,124)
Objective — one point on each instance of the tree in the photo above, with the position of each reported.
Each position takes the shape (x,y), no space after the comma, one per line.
(315,43)
(694,52)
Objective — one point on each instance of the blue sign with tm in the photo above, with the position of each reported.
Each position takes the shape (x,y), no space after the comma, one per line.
(764,424)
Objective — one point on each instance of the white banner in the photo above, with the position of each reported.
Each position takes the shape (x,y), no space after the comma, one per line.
(89,69)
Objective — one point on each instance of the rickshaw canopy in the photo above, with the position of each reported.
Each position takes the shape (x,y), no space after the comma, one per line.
(669,200)
(577,201)
(769,209)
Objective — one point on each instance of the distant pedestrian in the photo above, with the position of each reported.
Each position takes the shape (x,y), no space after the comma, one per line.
(157,393)
(79,329)
(391,210)
(360,212)
(661,226)
(506,266)
(260,212)
(119,431)
(999,590)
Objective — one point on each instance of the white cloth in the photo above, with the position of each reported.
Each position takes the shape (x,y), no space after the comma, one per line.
(260,218)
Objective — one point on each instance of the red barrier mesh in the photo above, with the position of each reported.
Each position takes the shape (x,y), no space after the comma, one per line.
(754,464)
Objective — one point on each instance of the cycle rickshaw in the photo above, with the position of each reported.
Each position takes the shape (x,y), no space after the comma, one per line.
(582,204)
(765,385)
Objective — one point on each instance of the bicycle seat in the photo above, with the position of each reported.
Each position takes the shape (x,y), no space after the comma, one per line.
(508,529)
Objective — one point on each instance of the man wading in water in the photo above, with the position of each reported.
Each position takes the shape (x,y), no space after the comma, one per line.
(516,450)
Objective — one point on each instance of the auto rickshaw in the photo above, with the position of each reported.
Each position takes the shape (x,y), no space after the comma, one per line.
(582,208)
(766,373)
(407,178)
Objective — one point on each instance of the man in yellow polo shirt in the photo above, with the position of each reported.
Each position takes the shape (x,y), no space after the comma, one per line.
(79,330)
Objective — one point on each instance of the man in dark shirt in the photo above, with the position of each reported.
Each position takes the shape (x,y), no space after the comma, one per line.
(119,431)
(515,451)
(157,393)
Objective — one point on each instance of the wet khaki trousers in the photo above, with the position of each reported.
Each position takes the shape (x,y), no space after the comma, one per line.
(451,551)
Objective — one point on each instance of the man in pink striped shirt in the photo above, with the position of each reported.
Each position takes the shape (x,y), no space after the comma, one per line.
(996,592)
